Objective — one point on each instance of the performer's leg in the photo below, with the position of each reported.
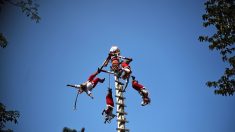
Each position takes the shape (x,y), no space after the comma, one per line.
(92,76)
(96,80)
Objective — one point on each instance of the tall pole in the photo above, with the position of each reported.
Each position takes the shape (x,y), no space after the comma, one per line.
(121,120)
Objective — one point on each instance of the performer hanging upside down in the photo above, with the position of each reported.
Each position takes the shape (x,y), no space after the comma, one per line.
(89,84)
(109,107)
(142,91)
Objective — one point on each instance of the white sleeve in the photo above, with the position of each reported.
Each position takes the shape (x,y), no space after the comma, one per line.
(77,85)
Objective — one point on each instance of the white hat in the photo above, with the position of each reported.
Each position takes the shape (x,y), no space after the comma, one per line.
(114,48)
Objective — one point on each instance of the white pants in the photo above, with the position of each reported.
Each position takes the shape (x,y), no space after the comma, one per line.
(143,92)
(89,85)
(126,69)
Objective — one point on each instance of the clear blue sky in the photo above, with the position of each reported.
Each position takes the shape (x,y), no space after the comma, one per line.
(73,39)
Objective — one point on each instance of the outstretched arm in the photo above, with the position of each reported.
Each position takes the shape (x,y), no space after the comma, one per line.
(126,58)
(75,86)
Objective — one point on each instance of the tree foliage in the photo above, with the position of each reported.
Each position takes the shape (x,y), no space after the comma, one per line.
(220,14)
(28,7)
(66,129)
(7,116)
(3,41)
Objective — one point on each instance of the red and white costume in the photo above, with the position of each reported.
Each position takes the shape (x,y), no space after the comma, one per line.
(109,103)
(126,68)
(114,58)
(90,84)
(109,107)
(137,86)
(92,81)
(142,91)
(115,63)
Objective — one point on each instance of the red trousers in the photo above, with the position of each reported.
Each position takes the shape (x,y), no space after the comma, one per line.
(137,86)
(93,79)
(109,99)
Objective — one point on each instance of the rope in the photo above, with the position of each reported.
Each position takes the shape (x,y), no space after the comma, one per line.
(109,81)
(75,103)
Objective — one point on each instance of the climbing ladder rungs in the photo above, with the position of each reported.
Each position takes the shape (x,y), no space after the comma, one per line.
(120,83)
(123,121)
(123,129)
(120,104)
(120,97)
(120,112)
(120,90)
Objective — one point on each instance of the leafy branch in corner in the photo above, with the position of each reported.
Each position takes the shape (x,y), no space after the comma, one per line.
(7,116)
(220,14)
(28,7)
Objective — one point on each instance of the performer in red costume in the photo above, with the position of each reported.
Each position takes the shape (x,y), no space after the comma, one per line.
(89,84)
(126,68)
(142,91)
(109,107)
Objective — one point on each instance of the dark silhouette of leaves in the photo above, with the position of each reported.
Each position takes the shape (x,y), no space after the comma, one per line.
(66,129)
(3,41)
(83,129)
(28,7)
(221,15)
(7,116)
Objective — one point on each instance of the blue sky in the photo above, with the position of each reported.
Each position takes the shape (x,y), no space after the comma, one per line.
(73,39)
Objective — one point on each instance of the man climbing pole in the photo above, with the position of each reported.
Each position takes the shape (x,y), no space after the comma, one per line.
(89,85)
(126,68)
(108,112)
(142,91)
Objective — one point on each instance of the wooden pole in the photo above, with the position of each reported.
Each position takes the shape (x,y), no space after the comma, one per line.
(121,120)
